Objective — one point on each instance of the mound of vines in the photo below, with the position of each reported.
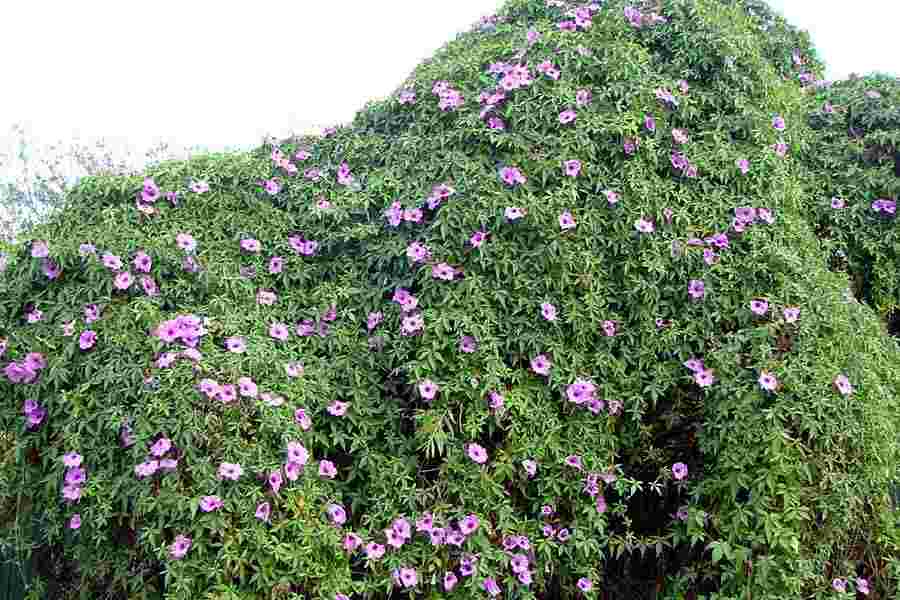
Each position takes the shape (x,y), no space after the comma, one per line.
(552,321)
(854,180)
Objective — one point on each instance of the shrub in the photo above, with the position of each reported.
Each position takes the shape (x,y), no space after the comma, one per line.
(541,342)
(853,160)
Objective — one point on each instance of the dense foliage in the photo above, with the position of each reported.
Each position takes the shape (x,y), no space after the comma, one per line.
(554,320)
(854,181)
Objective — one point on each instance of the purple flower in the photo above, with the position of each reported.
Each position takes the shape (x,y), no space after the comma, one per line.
(572,167)
(123,280)
(428,389)
(744,165)
(491,587)
(778,123)
(443,271)
(791,314)
(530,467)
(696,289)
(72,459)
(180,547)
(374,551)
(548,311)
(160,447)
(230,471)
(679,471)
(609,328)
(293,369)
(767,381)
(210,503)
(39,249)
(567,116)
(514,213)
(236,344)
(582,97)
(842,385)
(87,339)
(327,469)
(279,331)
(469,524)
(512,176)
(679,136)
(759,306)
(186,242)
(541,365)
(407,577)
(75,521)
(644,226)
(862,586)
(477,453)
(450,581)
(584,584)
(566,221)
(468,344)
(142,262)
(704,378)
(338,408)
(478,238)
(581,391)
(297,453)
(337,514)
(263,511)
(649,123)
(839,585)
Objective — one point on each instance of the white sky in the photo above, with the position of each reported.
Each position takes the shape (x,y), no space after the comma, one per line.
(226,72)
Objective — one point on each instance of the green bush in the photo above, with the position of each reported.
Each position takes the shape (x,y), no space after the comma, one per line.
(432,333)
(853,158)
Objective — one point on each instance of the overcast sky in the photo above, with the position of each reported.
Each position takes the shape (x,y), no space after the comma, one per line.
(226,72)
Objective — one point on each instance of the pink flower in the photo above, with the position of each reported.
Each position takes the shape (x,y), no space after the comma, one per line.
(512,176)
(566,221)
(327,469)
(263,510)
(297,453)
(767,381)
(541,365)
(514,213)
(759,306)
(211,503)
(744,165)
(72,459)
(582,97)
(679,471)
(696,289)
(609,328)
(87,339)
(338,408)
(478,238)
(572,167)
(443,271)
(293,369)
(374,551)
(279,331)
(75,521)
(644,226)
(704,378)
(567,116)
(842,385)
(180,547)
(123,280)
(231,471)
(791,314)
(477,453)
(548,311)
(428,389)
